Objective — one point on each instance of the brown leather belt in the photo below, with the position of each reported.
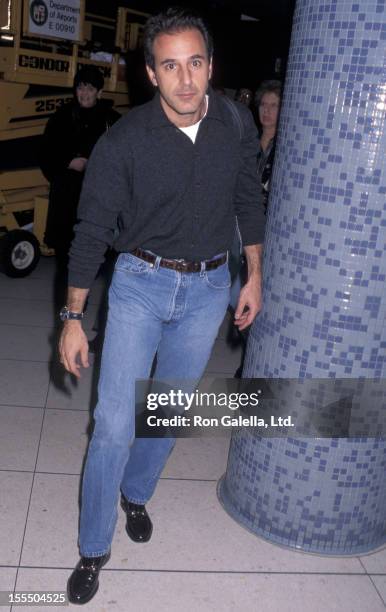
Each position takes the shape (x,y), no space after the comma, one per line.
(180,265)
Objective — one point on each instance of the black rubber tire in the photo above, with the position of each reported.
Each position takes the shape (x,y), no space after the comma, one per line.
(19,253)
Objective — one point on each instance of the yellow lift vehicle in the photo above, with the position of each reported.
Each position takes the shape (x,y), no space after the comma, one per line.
(43,43)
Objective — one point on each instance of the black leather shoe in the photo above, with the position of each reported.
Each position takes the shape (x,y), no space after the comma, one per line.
(83,582)
(138,524)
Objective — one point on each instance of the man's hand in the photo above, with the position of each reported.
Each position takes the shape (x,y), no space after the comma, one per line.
(250,300)
(249,304)
(73,347)
(78,164)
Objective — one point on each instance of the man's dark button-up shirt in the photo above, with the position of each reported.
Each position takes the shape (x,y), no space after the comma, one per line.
(147,185)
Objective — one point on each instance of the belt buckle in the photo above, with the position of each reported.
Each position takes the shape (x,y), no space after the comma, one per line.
(183,266)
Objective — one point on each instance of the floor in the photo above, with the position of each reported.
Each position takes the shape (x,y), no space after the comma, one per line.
(198,557)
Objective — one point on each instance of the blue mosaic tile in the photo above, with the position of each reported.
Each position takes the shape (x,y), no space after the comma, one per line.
(324,283)
(291,501)
(344,175)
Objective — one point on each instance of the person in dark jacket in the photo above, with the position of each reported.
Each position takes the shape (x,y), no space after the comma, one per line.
(70,135)
(171,176)
(267,100)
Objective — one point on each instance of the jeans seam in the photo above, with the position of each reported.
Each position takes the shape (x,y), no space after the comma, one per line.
(144,485)
(151,479)
(138,502)
(94,554)
(172,304)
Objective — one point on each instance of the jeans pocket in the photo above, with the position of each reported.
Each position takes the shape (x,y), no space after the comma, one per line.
(127,262)
(218,278)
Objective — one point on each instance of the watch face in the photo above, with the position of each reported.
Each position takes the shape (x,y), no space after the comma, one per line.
(63,314)
(66,314)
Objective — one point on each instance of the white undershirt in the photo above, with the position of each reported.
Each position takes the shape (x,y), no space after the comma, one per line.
(192,130)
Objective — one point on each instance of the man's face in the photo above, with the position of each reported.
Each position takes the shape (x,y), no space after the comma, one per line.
(269,110)
(87,95)
(182,71)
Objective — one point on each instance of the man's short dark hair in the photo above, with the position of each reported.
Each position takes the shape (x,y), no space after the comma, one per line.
(173,21)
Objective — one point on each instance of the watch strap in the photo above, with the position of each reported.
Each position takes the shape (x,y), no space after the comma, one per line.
(66,315)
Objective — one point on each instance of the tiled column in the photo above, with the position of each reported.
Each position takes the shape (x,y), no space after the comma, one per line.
(325,284)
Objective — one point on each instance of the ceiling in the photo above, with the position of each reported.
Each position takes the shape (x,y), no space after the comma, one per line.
(260,9)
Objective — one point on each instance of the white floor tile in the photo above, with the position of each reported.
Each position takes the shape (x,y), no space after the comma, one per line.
(174,591)
(375,563)
(27,288)
(191,533)
(19,312)
(202,458)
(66,392)
(64,441)
(51,534)
(188,513)
(44,270)
(7,578)
(15,490)
(23,383)
(25,343)
(237,592)
(19,437)
(7,583)
(380,584)
(33,580)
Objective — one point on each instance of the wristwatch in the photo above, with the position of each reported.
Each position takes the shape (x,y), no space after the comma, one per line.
(66,314)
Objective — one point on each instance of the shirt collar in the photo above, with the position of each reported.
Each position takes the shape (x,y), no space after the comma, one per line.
(158,116)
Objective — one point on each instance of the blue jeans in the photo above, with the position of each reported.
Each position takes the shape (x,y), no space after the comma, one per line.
(152,310)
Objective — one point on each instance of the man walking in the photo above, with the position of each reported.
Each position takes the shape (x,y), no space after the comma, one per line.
(171,176)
